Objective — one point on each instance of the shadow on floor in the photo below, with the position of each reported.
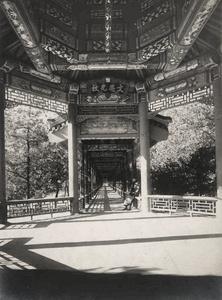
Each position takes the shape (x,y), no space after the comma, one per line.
(45,284)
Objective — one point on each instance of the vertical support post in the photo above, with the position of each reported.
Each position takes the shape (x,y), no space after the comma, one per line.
(3,207)
(217,90)
(73,150)
(144,148)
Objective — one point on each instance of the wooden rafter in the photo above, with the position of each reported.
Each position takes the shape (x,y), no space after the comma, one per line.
(188,30)
(18,14)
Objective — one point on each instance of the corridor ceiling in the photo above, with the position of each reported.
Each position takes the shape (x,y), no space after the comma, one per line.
(86,39)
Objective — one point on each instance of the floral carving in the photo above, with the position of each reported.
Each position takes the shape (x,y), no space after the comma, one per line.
(156,48)
(55,13)
(19,26)
(159,11)
(60,50)
(198,22)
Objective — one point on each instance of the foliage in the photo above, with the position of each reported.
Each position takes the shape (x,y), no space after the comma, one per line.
(185,163)
(34,167)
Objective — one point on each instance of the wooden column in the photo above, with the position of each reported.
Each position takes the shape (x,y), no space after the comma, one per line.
(3,207)
(72,150)
(144,150)
(217,90)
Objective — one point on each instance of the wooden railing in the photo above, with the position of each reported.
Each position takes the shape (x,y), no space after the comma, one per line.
(182,204)
(43,206)
(32,207)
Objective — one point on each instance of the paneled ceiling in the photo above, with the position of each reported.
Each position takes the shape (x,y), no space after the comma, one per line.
(81,40)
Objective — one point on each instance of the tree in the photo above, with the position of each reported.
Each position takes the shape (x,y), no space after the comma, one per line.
(31,163)
(185,163)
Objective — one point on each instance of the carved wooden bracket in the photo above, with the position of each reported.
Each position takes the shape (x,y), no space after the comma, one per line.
(193,21)
(17,11)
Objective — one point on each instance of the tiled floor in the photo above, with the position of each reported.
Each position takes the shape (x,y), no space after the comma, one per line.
(108,253)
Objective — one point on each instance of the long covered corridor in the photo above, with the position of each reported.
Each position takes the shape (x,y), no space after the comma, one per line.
(106,200)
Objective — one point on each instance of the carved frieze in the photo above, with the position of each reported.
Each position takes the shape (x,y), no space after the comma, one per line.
(107,147)
(60,16)
(98,154)
(99,13)
(100,45)
(130,109)
(158,12)
(183,85)
(37,89)
(108,125)
(191,65)
(147,4)
(117,66)
(66,4)
(58,34)
(156,33)
(97,2)
(49,77)
(153,50)
(59,49)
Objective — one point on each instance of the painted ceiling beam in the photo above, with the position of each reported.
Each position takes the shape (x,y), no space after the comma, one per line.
(192,67)
(195,15)
(21,18)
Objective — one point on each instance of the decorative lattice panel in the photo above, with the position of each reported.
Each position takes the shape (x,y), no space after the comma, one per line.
(202,206)
(24,98)
(31,208)
(199,94)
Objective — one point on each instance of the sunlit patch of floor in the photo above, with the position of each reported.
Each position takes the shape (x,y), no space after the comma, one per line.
(21,226)
(9,262)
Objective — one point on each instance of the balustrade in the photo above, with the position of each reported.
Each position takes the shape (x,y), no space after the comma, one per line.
(182,204)
(32,207)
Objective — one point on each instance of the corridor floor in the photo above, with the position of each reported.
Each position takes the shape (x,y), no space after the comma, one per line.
(108,253)
(106,200)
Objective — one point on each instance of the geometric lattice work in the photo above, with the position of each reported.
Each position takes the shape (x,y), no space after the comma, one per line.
(202,206)
(199,94)
(31,208)
(21,97)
